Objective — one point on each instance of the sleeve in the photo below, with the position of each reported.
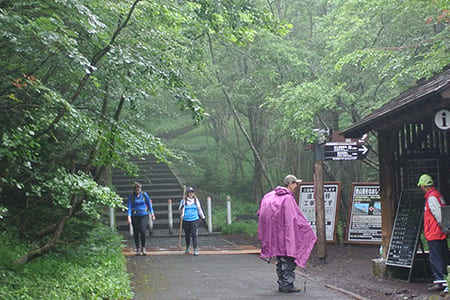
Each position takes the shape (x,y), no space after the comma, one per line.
(199,208)
(129,206)
(149,203)
(435,208)
(180,207)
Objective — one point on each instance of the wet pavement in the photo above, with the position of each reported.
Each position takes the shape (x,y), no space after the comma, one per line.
(168,273)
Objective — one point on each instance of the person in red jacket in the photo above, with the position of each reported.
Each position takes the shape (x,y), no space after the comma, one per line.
(435,236)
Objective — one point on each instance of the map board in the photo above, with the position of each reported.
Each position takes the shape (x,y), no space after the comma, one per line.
(306,202)
(365,214)
(407,229)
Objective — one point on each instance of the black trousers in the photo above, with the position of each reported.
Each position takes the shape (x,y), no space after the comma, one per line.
(285,271)
(190,231)
(139,225)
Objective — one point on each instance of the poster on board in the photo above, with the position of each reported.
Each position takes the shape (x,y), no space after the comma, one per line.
(364,224)
(306,203)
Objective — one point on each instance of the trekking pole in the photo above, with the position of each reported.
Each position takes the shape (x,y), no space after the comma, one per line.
(181,217)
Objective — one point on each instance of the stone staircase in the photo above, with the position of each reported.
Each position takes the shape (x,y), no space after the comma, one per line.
(161,184)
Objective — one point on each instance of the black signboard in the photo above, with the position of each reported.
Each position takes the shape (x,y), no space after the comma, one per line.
(344,151)
(407,229)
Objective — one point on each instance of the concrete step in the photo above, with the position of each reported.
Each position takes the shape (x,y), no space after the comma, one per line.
(160,184)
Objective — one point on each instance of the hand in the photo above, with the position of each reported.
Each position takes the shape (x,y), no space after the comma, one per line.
(153,217)
(129,220)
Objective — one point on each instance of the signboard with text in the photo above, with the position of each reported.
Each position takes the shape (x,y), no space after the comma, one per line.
(306,202)
(406,230)
(364,225)
(345,151)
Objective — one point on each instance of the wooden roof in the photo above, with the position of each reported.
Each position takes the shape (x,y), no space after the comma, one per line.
(401,106)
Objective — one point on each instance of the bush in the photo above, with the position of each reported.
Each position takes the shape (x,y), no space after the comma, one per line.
(93,269)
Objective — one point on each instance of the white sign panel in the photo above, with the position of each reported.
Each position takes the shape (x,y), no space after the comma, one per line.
(307,206)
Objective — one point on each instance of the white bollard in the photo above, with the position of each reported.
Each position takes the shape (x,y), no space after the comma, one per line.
(228,210)
(112,218)
(170,216)
(208,207)
(150,221)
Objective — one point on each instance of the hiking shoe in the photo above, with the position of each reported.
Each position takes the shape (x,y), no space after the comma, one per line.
(188,249)
(439,281)
(144,252)
(137,251)
(444,292)
(293,289)
(195,252)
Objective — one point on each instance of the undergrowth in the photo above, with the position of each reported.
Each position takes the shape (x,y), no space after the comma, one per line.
(243,218)
(92,269)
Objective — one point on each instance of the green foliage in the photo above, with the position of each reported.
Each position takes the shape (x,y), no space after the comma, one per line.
(94,268)
(81,82)
(243,218)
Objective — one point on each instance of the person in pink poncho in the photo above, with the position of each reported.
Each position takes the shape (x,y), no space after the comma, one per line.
(284,233)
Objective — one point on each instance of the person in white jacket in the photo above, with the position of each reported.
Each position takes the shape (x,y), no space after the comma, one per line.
(191,213)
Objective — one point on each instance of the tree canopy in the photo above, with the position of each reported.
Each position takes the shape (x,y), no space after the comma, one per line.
(85,84)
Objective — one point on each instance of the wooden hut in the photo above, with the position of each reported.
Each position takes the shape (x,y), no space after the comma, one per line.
(413,132)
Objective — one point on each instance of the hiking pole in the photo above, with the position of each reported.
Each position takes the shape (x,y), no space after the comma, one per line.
(181,217)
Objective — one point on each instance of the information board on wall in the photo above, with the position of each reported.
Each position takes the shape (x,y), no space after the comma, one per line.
(365,214)
(307,204)
(407,228)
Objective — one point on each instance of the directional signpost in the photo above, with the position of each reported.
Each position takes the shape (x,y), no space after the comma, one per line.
(345,151)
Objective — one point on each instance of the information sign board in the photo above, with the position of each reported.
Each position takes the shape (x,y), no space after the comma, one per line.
(344,151)
(365,214)
(407,228)
(307,204)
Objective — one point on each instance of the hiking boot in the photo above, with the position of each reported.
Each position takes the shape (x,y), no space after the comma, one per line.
(444,292)
(188,249)
(195,251)
(137,251)
(144,252)
(293,289)
(439,281)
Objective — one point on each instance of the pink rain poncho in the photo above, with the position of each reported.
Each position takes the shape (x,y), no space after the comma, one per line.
(282,228)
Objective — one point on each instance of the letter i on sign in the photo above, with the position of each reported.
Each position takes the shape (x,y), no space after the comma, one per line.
(442,119)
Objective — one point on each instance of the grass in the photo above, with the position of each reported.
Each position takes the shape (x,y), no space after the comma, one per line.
(93,269)
(243,218)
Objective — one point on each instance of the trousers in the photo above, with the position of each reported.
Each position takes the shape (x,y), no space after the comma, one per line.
(285,271)
(438,258)
(190,231)
(139,224)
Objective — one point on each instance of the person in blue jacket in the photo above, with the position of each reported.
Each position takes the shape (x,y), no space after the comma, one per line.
(139,206)
(191,213)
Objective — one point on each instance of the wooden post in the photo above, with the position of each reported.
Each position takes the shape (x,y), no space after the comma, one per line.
(387,141)
(319,202)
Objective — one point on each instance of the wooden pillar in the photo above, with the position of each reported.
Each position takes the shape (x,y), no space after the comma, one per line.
(387,144)
(320,203)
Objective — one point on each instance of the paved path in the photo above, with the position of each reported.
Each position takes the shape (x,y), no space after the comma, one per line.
(239,276)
